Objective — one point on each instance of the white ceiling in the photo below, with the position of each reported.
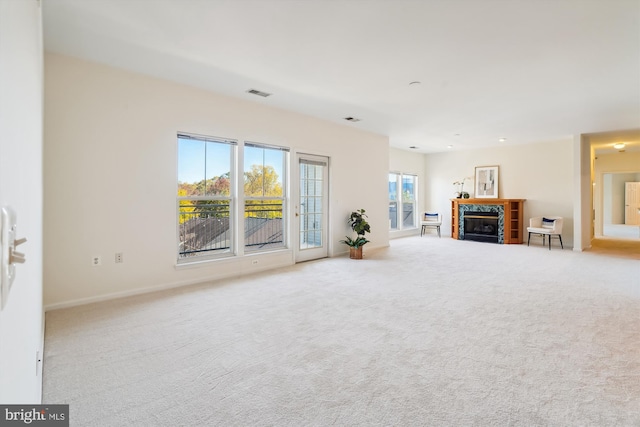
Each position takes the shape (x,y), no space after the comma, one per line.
(527,71)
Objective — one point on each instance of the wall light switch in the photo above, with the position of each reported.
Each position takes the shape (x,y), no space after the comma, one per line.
(8,254)
(7,239)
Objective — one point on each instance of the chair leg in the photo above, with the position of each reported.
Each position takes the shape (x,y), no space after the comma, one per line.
(529,239)
(422,231)
(561,245)
(438,231)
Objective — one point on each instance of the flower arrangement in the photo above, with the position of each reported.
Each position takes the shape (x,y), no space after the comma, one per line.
(461,193)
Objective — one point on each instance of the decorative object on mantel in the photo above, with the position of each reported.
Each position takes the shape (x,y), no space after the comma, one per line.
(486,186)
(462,194)
(358,223)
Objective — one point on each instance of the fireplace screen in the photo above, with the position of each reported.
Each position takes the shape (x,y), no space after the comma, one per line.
(481,226)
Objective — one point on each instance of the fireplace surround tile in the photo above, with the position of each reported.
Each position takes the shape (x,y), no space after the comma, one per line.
(482,208)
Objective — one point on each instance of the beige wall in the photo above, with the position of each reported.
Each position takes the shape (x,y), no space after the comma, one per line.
(541,173)
(21,320)
(628,161)
(110,176)
(406,161)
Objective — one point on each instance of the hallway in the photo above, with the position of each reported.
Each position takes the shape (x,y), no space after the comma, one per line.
(626,248)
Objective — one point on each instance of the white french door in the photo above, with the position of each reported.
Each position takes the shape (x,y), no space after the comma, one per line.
(311,206)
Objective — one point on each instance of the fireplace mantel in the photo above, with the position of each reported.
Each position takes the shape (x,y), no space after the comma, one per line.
(510,213)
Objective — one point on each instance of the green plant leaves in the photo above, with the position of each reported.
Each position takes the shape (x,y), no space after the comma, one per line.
(358,223)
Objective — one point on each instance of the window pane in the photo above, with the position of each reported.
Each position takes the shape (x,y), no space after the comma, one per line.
(311,216)
(393,186)
(263,172)
(218,158)
(263,225)
(408,215)
(191,167)
(393,215)
(204,169)
(408,190)
(203,227)
(393,201)
(263,182)
(408,201)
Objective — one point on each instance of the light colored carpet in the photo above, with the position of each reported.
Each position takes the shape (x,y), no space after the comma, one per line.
(427,332)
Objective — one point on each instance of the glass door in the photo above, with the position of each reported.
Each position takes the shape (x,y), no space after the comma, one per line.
(311,207)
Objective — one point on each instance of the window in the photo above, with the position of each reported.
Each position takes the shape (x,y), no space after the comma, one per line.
(205,196)
(402,201)
(264,196)
(217,204)
(409,201)
(393,200)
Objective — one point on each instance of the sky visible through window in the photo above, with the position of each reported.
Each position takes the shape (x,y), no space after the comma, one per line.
(192,168)
(263,157)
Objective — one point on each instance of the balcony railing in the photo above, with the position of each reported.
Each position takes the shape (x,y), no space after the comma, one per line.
(204,227)
(263,225)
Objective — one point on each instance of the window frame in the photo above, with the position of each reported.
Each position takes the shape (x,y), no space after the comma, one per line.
(399,201)
(393,200)
(210,254)
(283,199)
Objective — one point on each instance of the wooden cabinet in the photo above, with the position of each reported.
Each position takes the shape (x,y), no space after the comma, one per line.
(513,217)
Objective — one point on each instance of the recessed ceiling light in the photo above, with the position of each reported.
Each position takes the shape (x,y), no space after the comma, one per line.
(414,83)
(618,146)
(413,147)
(351,119)
(456,134)
(449,146)
(502,139)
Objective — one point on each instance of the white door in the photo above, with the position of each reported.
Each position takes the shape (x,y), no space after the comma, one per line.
(632,203)
(311,204)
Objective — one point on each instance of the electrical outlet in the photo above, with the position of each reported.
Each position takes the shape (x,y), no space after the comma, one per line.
(254,262)
(118,257)
(96,260)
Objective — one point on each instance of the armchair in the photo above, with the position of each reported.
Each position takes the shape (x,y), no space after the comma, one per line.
(546,226)
(433,220)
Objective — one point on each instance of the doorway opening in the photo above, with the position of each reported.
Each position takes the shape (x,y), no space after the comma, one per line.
(621,206)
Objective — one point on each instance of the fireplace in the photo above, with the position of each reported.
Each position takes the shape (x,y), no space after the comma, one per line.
(481,226)
(481,219)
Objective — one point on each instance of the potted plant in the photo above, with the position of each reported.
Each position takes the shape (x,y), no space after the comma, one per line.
(358,223)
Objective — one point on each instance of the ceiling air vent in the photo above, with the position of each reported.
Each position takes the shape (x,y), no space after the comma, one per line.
(258,92)
(351,119)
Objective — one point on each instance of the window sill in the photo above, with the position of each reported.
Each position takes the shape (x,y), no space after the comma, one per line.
(203,261)
(230,258)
